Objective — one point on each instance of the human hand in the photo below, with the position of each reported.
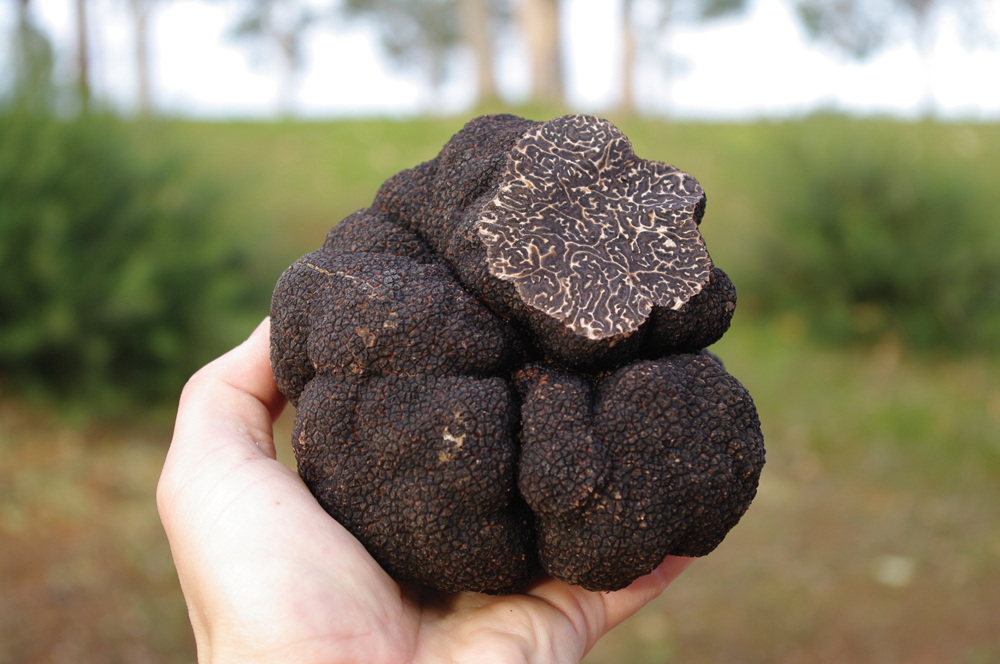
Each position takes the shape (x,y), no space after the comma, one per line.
(269,576)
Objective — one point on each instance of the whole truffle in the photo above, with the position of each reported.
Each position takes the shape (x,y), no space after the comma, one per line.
(499,366)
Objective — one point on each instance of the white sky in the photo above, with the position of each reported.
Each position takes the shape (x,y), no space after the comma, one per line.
(758,65)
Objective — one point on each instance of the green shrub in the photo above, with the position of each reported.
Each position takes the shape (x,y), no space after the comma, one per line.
(876,235)
(114,282)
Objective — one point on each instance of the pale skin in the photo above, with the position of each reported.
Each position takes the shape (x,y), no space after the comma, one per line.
(268,576)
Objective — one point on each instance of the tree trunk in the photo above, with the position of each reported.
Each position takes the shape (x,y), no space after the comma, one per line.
(22,15)
(477,33)
(140,14)
(32,64)
(288,45)
(924,40)
(627,103)
(539,23)
(668,58)
(82,55)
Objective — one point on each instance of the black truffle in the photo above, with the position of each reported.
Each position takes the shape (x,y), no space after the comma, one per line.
(499,367)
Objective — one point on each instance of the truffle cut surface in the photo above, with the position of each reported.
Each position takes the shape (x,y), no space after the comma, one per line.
(590,234)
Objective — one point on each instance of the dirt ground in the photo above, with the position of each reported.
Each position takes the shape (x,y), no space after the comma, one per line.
(85,571)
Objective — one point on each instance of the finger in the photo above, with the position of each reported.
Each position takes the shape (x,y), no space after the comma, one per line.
(233,398)
(623,603)
(594,614)
(224,419)
(247,370)
(238,521)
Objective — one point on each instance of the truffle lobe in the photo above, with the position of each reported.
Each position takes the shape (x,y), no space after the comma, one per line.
(683,454)
(402,431)
(592,236)
(369,231)
(702,321)
(421,469)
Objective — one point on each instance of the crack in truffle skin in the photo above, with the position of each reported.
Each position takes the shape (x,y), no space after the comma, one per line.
(589,233)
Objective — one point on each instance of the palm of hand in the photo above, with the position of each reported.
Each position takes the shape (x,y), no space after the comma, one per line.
(269,576)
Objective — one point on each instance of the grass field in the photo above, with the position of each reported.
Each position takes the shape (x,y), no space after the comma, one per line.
(875,536)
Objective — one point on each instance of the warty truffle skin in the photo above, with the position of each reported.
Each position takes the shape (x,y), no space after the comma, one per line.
(474,420)
(657,456)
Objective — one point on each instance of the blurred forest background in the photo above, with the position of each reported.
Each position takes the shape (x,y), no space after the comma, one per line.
(135,246)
